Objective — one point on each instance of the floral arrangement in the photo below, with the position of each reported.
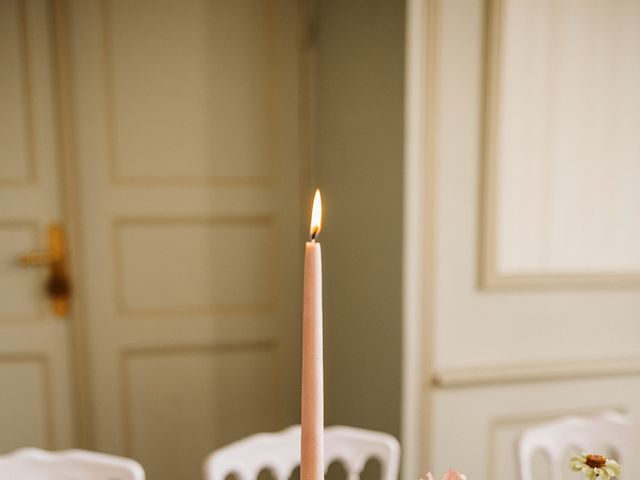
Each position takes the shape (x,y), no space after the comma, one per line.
(450,475)
(595,467)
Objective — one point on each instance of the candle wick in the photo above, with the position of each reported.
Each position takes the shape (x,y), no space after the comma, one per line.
(314,234)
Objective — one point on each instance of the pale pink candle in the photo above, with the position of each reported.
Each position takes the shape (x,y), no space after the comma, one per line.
(312,454)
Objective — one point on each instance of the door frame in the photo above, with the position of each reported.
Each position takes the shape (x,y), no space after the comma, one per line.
(70,208)
(419,243)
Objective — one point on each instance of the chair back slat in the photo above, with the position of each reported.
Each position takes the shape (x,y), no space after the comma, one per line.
(280,453)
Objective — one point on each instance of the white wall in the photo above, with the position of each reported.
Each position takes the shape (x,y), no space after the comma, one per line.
(502,359)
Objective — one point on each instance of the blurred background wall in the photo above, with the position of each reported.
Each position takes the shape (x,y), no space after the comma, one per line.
(177,145)
(357,161)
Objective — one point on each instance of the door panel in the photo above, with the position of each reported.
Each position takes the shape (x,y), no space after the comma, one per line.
(35,405)
(25,406)
(234,276)
(220,383)
(176,103)
(187,136)
(21,285)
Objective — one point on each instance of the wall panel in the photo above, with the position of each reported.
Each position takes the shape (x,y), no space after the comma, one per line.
(510,357)
(562,114)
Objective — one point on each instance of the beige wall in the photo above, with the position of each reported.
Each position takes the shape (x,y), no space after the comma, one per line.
(358,89)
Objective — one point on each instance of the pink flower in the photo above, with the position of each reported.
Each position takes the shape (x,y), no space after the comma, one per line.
(450,475)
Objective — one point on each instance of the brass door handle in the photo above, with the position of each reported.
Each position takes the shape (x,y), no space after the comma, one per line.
(58,286)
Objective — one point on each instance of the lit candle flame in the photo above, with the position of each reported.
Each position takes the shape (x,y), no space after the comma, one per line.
(316,216)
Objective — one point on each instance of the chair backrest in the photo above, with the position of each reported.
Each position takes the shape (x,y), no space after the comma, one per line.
(280,453)
(609,430)
(36,464)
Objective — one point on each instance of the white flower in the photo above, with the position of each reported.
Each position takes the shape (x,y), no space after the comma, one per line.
(595,466)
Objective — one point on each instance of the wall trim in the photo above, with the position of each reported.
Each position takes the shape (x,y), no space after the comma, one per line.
(536,372)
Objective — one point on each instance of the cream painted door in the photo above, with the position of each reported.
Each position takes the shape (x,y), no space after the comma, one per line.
(35,369)
(187,146)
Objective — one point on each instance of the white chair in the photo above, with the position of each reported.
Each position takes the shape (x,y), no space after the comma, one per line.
(584,434)
(280,453)
(36,464)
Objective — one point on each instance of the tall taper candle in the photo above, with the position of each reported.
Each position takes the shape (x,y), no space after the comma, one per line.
(312,454)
